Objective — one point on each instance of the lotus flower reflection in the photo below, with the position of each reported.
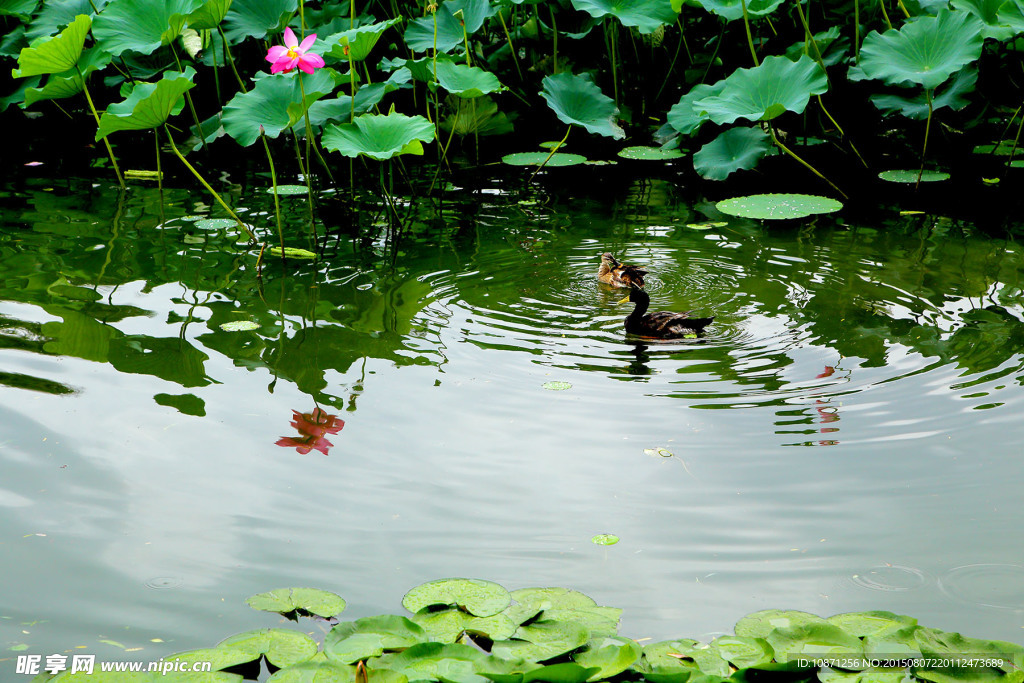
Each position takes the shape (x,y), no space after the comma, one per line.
(285,58)
(313,428)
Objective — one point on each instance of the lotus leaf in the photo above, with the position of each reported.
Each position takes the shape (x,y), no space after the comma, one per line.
(285,600)
(316,672)
(57,54)
(358,41)
(1004,148)
(149,104)
(938,645)
(731,10)
(566,672)
(281,647)
(912,176)
(274,104)
(293,252)
(289,190)
(950,94)
(577,100)
(54,16)
(371,636)
(810,640)
(766,91)
(542,640)
(466,81)
(610,655)
(741,652)
(866,676)
(479,598)
(774,207)
(605,539)
(141,25)
(437,661)
(447,625)
(1011,13)
(687,118)
(733,150)
(477,117)
(22,9)
(218,657)
(379,137)
(209,15)
(925,52)
(69,83)
(451,28)
(645,15)
(684,653)
(554,597)
(600,621)
(257,18)
(988,11)
(546,158)
(649,153)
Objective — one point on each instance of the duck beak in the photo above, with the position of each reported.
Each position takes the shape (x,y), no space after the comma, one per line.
(625,300)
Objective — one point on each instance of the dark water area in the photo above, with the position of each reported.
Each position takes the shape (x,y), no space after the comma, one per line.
(844,438)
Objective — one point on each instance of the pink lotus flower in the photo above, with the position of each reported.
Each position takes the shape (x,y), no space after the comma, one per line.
(292,54)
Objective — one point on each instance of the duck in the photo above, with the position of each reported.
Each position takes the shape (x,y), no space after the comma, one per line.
(660,324)
(617,274)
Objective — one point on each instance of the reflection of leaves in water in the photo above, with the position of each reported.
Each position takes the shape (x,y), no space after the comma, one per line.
(188,404)
(20,381)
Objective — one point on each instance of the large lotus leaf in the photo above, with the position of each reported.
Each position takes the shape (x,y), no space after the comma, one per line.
(950,94)
(554,597)
(925,52)
(379,137)
(611,656)
(420,34)
(320,672)
(542,640)
(939,645)
(209,15)
(813,640)
(446,626)
(58,54)
(736,149)
(257,18)
(731,10)
(354,44)
(741,652)
(275,103)
(988,12)
(776,207)
(683,653)
(600,621)
(22,9)
(466,81)
(352,641)
(281,647)
(764,92)
(687,118)
(577,100)
(149,105)
(56,14)
(287,600)
(645,15)
(421,69)
(480,598)
(893,643)
(59,86)
(862,624)
(437,661)
(141,25)
(1011,13)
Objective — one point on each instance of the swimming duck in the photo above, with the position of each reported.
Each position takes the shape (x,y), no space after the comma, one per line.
(618,274)
(660,324)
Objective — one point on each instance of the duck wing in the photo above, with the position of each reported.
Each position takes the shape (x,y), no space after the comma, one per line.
(629,273)
(670,324)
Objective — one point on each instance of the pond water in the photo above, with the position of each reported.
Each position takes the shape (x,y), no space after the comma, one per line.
(845,437)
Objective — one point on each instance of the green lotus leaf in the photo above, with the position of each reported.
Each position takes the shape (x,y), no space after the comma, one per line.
(827,675)
(141,25)
(280,646)
(437,661)
(926,51)
(600,621)
(352,641)
(538,158)
(736,149)
(69,83)
(610,656)
(743,653)
(863,624)
(466,81)
(1011,13)
(950,94)
(21,9)
(605,539)
(577,100)
(209,15)
(766,91)
(479,116)
(446,626)
(566,672)
(289,191)
(292,252)
(774,207)
(553,597)
(359,41)
(379,137)
(650,153)
(479,598)
(218,657)
(54,15)
(542,640)
(912,176)
(809,640)
(148,106)
(257,18)
(285,600)
(684,116)
(988,11)
(275,103)
(731,10)
(316,672)
(645,15)
(57,54)
(1003,148)
(420,33)
(672,655)
(936,646)
(895,642)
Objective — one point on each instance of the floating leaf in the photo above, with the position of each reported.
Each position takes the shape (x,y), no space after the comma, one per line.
(817,639)
(764,92)
(455,19)
(57,54)
(241,326)
(553,597)
(447,625)
(911,176)
(610,655)
(320,672)
(1002,148)
(733,150)
(778,206)
(479,598)
(141,25)
(289,190)
(286,600)
(292,252)
(379,137)
(538,158)
(645,15)
(605,539)
(760,624)
(862,624)
(542,640)
(274,104)
(214,223)
(649,153)
(741,652)
(577,100)
(281,647)
(707,225)
(557,385)
(371,636)
(148,106)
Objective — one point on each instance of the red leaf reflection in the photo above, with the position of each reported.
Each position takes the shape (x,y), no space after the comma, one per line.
(312,428)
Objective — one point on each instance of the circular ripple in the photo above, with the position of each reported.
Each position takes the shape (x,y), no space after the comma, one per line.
(989,585)
(164,582)
(892,578)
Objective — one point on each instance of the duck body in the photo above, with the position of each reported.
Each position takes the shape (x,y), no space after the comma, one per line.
(660,324)
(617,274)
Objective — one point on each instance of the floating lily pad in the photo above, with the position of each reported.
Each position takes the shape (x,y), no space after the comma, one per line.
(707,225)
(760,624)
(281,647)
(319,672)
(778,206)
(1003,148)
(352,641)
(537,158)
(241,326)
(214,223)
(447,625)
(542,640)
(551,144)
(286,600)
(649,153)
(611,655)
(292,252)
(911,176)
(605,539)
(289,190)
(479,598)
(557,385)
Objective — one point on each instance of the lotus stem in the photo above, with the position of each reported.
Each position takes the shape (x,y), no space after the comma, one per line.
(885,15)
(188,98)
(205,184)
(612,38)
(927,129)
(159,175)
(465,37)
(304,170)
(511,47)
(675,57)
(96,116)
(310,142)
(806,165)
(277,201)
(554,37)
(746,27)
(821,103)
(856,29)
(230,58)
(551,153)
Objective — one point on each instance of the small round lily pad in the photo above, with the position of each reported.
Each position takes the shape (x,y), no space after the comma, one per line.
(605,539)
(537,158)
(215,223)
(289,190)
(551,144)
(707,225)
(240,326)
(479,598)
(649,153)
(286,600)
(778,206)
(911,176)
(556,385)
